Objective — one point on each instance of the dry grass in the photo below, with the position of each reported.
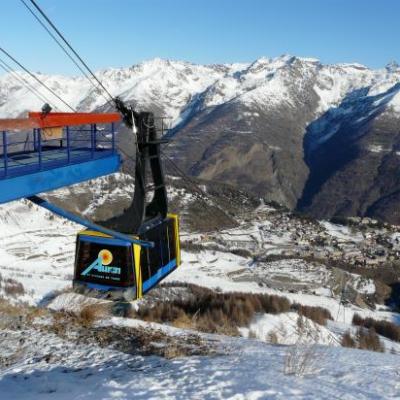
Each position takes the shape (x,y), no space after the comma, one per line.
(16,316)
(6,308)
(365,339)
(85,318)
(317,314)
(88,315)
(348,341)
(13,288)
(300,360)
(209,311)
(80,329)
(384,328)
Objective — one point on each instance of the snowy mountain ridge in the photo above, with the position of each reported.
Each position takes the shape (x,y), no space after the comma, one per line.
(172,84)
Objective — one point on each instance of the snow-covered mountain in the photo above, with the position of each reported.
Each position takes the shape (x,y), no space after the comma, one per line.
(175,86)
(289,129)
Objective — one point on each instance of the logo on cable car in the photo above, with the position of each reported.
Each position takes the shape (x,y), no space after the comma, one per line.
(102,264)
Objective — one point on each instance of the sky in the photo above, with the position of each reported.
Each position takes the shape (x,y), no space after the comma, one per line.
(120,33)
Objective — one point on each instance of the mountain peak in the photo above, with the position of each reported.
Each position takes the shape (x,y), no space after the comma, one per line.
(393,66)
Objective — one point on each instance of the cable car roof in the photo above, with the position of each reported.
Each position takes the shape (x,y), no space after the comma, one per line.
(56,119)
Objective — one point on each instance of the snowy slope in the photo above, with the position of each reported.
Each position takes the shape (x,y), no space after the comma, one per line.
(37,251)
(52,368)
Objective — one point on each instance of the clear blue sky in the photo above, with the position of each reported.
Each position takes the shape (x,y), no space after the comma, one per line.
(124,32)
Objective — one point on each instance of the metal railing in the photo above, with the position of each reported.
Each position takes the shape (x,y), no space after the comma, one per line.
(25,152)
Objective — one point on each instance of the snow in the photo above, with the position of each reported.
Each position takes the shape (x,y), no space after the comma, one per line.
(376,148)
(341,232)
(335,82)
(220,276)
(395,103)
(37,250)
(286,330)
(177,87)
(52,368)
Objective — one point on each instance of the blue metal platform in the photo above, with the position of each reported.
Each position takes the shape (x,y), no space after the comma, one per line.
(30,165)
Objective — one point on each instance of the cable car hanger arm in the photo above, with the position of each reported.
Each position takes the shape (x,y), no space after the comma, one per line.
(72,217)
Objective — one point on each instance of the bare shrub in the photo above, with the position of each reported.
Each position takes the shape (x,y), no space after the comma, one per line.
(216,322)
(300,360)
(365,339)
(214,312)
(13,288)
(275,304)
(385,328)
(369,340)
(272,337)
(252,334)
(348,341)
(317,314)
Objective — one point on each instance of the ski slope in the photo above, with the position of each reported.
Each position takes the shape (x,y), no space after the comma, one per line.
(50,368)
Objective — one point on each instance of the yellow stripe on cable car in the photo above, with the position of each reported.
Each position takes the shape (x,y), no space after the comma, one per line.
(175,217)
(136,254)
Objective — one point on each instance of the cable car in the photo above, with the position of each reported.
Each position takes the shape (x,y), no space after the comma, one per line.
(115,268)
(124,257)
(118,259)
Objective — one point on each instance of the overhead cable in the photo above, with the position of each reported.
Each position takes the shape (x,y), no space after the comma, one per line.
(70,47)
(36,78)
(62,47)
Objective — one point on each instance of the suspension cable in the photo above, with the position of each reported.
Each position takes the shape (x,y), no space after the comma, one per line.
(36,78)
(62,48)
(197,189)
(70,47)
(7,68)
(42,13)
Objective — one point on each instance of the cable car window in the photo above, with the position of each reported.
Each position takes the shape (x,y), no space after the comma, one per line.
(106,264)
(144,264)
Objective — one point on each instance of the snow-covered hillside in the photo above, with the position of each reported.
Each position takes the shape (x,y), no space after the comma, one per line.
(52,368)
(46,352)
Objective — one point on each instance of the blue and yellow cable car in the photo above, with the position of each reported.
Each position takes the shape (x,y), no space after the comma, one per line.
(119,269)
(121,258)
